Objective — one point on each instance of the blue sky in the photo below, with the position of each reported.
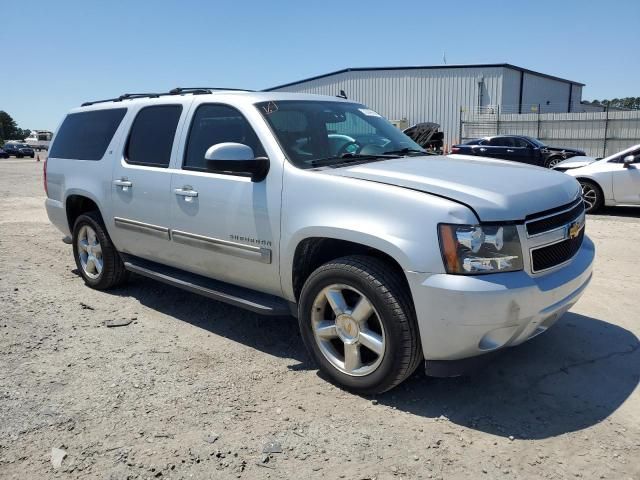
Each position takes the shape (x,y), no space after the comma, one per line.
(59,54)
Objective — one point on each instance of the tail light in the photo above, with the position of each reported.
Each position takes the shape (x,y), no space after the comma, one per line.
(455,149)
(44,176)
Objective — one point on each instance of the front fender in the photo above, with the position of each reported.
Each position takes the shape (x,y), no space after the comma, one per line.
(399,222)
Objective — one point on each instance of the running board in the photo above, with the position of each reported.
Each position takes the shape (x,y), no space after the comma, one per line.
(252,300)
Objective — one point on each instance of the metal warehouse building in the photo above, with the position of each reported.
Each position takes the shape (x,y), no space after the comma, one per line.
(410,95)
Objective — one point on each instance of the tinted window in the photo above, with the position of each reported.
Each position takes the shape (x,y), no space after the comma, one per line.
(500,142)
(213,124)
(86,135)
(520,143)
(151,137)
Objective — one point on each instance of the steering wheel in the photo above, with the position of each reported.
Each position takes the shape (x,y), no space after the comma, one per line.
(348,148)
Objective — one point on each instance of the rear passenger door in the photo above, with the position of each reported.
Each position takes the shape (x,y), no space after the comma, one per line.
(141,180)
(492,148)
(520,151)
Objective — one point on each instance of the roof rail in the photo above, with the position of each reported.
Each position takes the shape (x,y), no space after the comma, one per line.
(174,91)
(179,90)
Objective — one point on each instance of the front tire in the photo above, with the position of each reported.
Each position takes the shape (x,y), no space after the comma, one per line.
(358,323)
(591,196)
(553,161)
(96,257)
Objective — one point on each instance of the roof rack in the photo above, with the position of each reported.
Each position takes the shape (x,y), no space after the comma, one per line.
(173,91)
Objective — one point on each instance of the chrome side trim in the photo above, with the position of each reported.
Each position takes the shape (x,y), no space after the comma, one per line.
(141,227)
(249,252)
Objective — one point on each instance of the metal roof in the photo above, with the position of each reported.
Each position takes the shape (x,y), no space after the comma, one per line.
(428,67)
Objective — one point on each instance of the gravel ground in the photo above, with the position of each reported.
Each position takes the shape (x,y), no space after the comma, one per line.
(192,388)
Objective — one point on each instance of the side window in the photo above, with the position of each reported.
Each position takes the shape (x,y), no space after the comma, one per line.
(213,124)
(520,143)
(497,142)
(151,137)
(86,135)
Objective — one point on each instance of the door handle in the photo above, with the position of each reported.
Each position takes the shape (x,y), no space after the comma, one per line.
(509,151)
(483,149)
(186,192)
(124,183)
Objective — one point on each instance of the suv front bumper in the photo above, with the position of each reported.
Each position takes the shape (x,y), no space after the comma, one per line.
(465,316)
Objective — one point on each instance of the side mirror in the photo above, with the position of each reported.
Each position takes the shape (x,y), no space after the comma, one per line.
(628,160)
(236,158)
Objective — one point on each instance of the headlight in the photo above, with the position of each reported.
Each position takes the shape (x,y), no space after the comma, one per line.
(476,249)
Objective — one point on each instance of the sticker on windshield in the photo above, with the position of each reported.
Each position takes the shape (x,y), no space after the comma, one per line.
(369,112)
(270,108)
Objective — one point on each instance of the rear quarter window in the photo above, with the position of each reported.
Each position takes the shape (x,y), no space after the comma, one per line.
(86,135)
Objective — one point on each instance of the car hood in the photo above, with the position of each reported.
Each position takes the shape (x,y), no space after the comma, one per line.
(574,162)
(496,190)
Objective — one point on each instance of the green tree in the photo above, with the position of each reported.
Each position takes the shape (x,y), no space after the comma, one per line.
(8,126)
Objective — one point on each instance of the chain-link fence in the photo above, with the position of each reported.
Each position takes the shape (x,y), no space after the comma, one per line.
(598,133)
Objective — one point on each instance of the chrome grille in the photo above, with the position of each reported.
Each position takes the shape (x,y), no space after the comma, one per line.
(547,257)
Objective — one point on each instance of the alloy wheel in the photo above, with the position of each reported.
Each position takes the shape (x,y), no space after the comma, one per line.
(348,330)
(90,252)
(589,196)
(553,162)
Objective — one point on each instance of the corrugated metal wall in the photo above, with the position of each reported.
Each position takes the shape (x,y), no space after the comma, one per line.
(600,134)
(419,95)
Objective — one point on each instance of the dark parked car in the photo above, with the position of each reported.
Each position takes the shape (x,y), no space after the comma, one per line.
(3,154)
(518,148)
(19,150)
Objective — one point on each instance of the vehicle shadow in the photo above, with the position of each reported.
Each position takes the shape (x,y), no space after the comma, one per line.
(632,212)
(274,335)
(570,378)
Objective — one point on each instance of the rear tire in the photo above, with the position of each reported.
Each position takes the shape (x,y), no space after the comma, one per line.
(96,257)
(368,349)
(591,196)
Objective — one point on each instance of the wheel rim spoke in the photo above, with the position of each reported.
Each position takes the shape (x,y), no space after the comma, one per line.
(372,341)
(352,360)
(91,266)
(362,311)
(326,329)
(336,300)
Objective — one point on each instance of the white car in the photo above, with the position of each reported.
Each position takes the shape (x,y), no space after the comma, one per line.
(611,181)
(317,206)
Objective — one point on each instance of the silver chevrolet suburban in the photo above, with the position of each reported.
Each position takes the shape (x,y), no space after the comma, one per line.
(317,206)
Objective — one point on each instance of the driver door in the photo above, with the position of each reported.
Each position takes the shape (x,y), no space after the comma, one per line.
(224,226)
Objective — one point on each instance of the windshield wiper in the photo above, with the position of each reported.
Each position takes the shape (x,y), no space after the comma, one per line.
(406,151)
(349,158)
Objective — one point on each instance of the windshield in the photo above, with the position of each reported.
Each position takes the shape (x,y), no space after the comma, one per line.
(536,142)
(314,133)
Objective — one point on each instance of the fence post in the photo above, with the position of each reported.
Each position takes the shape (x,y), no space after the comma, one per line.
(606,130)
(538,134)
(498,120)
(460,127)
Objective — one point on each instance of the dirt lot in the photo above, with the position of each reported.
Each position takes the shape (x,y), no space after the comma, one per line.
(195,389)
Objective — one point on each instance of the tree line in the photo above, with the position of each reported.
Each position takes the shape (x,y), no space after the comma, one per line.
(9,129)
(632,103)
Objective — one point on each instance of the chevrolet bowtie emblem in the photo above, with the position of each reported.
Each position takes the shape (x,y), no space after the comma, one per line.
(574,229)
